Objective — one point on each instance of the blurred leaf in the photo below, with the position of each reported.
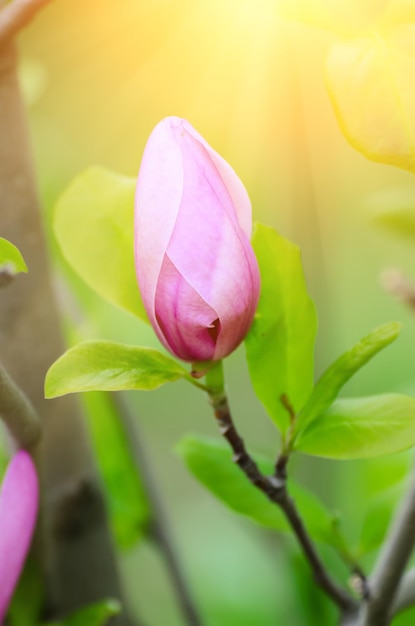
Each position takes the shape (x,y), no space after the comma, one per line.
(311,12)
(33,80)
(127,503)
(28,598)
(370,81)
(342,17)
(359,428)
(98,614)
(94,225)
(280,343)
(11,260)
(400,221)
(210,461)
(397,12)
(110,366)
(337,375)
(378,516)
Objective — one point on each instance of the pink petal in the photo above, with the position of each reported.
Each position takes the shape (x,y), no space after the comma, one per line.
(210,250)
(185,319)
(18,510)
(157,201)
(196,269)
(234,185)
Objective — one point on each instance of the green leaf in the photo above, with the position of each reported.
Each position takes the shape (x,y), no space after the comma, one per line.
(337,375)
(370,82)
(98,614)
(210,461)
(110,366)
(94,225)
(11,260)
(280,343)
(359,428)
(127,503)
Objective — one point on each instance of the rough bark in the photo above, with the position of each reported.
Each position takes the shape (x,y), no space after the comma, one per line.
(77,552)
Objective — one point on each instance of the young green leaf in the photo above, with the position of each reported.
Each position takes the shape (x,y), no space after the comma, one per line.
(110,366)
(369,80)
(280,343)
(11,260)
(210,461)
(359,428)
(337,375)
(127,503)
(94,221)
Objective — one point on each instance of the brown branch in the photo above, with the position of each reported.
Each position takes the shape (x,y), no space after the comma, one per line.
(405,596)
(274,487)
(30,340)
(18,412)
(15,15)
(389,570)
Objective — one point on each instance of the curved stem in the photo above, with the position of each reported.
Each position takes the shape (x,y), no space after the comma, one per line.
(274,487)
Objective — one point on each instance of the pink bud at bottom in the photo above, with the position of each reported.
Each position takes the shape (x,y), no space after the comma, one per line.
(19,497)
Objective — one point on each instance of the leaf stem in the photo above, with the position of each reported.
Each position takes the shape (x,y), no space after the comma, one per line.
(158,525)
(18,412)
(275,488)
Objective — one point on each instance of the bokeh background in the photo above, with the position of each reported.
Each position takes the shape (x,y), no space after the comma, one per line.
(97,76)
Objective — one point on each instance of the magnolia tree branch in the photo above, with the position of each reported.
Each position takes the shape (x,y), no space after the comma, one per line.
(18,412)
(15,15)
(158,525)
(74,543)
(405,596)
(389,569)
(275,488)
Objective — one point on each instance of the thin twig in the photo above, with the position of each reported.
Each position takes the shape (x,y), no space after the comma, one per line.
(15,15)
(158,525)
(17,412)
(274,487)
(389,569)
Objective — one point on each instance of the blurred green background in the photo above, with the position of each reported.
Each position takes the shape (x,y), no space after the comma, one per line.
(97,76)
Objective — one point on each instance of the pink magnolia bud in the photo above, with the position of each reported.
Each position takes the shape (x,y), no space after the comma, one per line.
(18,510)
(196,269)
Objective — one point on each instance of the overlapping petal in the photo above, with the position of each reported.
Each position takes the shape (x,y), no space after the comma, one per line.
(197,272)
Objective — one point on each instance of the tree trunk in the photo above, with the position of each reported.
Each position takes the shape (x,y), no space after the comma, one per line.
(76,551)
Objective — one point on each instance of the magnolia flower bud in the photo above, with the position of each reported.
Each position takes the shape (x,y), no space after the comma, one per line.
(196,269)
(18,510)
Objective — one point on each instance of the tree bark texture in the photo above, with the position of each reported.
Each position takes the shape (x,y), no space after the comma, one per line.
(76,549)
